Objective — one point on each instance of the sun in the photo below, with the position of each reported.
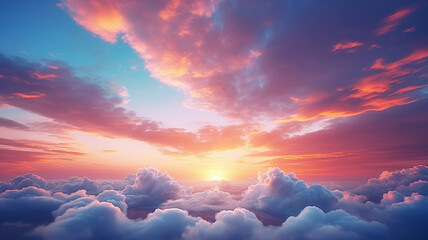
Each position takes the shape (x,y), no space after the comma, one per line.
(215,178)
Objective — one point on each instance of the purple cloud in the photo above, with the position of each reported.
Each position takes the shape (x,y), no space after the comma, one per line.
(405,181)
(60,95)
(284,195)
(151,188)
(306,212)
(8,123)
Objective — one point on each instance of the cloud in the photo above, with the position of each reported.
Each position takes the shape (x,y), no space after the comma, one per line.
(74,184)
(104,221)
(354,148)
(382,88)
(392,21)
(236,224)
(306,212)
(8,123)
(23,181)
(151,188)
(9,156)
(30,205)
(212,200)
(284,195)
(113,197)
(248,60)
(311,223)
(76,203)
(72,101)
(68,186)
(402,215)
(397,199)
(405,181)
(21,211)
(14,150)
(406,219)
(346,45)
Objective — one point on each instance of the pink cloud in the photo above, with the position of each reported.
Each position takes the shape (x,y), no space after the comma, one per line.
(377,91)
(346,45)
(8,123)
(411,29)
(237,58)
(13,151)
(32,95)
(392,21)
(393,137)
(103,17)
(44,76)
(186,49)
(71,101)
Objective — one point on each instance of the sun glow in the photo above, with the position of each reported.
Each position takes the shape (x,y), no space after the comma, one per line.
(215,178)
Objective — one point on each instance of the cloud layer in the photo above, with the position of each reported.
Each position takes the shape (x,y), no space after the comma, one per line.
(35,208)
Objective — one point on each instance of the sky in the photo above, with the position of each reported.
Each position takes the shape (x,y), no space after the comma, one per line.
(213,119)
(332,91)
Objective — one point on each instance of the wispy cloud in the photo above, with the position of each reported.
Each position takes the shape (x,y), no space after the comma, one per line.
(392,21)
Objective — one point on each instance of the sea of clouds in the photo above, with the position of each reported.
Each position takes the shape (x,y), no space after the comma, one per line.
(152,205)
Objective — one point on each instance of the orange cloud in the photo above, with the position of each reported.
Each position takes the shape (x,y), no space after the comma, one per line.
(411,29)
(346,45)
(409,88)
(33,95)
(94,111)
(102,18)
(371,93)
(382,104)
(14,150)
(220,64)
(372,86)
(44,76)
(392,21)
(53,67)
(170,10)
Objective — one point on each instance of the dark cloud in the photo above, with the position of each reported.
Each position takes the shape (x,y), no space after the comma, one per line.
(22,210)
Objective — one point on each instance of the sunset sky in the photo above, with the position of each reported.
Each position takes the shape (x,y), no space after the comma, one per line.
(333,91)
(213,119)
